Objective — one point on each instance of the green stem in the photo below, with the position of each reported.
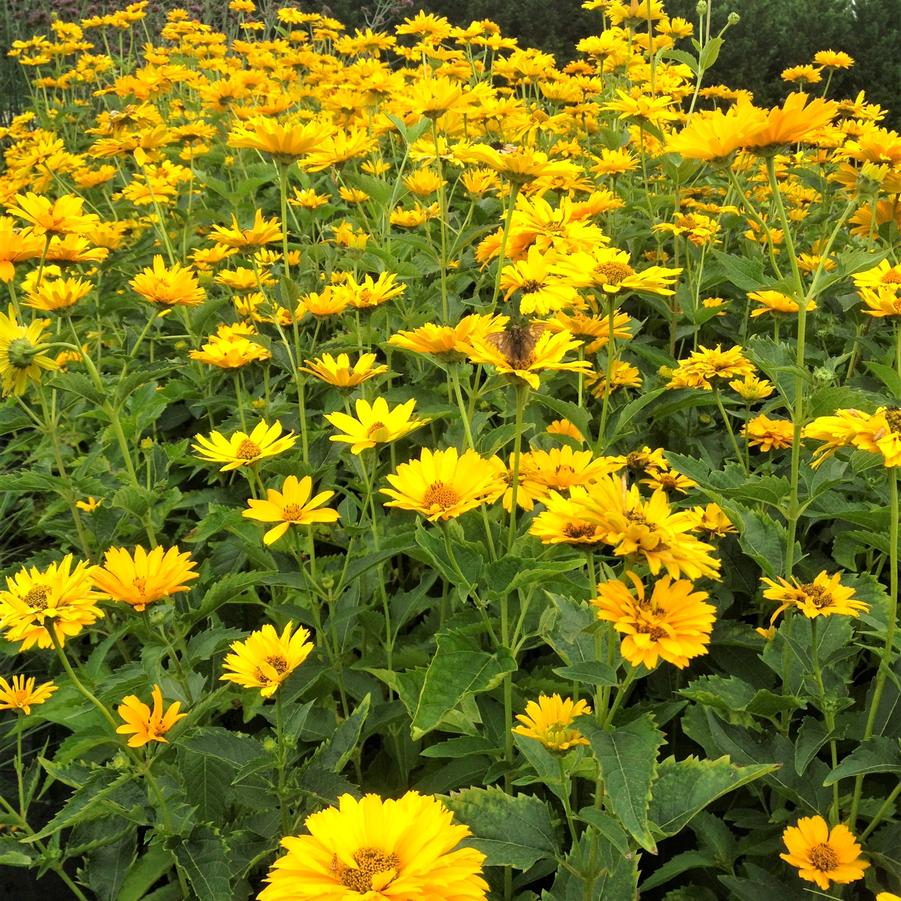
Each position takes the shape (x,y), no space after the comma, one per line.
(522,392)
(620,696)
(887,805)
(514,190)
(719,403)
(608,383)
(828,714)
(280,764)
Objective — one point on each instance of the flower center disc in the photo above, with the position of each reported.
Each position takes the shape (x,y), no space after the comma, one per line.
(247,450)
(613,273)
(370,862)
(37,597)
(440,495)
(823,858)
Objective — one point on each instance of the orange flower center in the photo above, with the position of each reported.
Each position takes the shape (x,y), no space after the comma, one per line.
(440,495)
(637,461)
(613,273)
(369,862)
(374,428)
(893,418)
(247,450)
(292,512)
(818,596)
(572,530)
(823,858)
(891,278)
(656,633)
(140,585)
(279,664)
(37,597)
(530,287)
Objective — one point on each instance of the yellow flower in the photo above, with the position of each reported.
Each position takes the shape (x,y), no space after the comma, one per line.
(833,59)
(145,725)
(752,388)
(673,624)
(141,578)
(375,424)
(713,521)
(285,142)
(90,505)
(263,231)
(406,850)
(611,271)
(791,123)
(542,289)
(290,506)
(823,855)
(806,74)
(448,340)
(58,294)
(16,246)
(265,659)
(769,434)
(21,353)
(565,428)
(550,721)
(710,363)
(59,597)
(230,348)
(445,484)
(22,694)
(242,449)
(713,136)
(56,217)
(776,302)
(340,373)
(881,302)
(622,375)
(824,596)
(876,433)
(175,286)
(524,351)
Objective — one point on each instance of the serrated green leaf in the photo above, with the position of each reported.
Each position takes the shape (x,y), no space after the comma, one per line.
(628,760)
(203,858)
(334,753)
(876,755)
(148,869)
(511,830)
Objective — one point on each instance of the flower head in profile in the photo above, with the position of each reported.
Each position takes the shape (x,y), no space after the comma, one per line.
(61,597)
(673,624)
(145,725)
(16,247)
(709,363)
(139,578)
(55,217)
(769,434)
(794,121)
(375,849)
(445,484)
(57,293)
(284,142)
(824,596)
(241,449)
(823,855)
(231,348)
(550,721)
(174,285)
(22,353)
(339,371)
(374,424)
(21,694)
(265,659)
(776,302)
(293,505)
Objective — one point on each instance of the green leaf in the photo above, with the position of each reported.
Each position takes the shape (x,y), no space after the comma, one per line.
(106,867)
(588,672)
(628,759)
(334,753)
(876,755)
(760,537)
(629,412)
(577,415)
(710,52)
(12,854)
(228,590)
(676,866)
(743,272)
(460,668)
(204,860)
(595,870)
(888,376)
(510,830)
(812,735)
(148,869)
(685,787)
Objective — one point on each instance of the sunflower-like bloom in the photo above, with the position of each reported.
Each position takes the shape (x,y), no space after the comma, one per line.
(293,505)
(622,375)
(880,302)
(22,694)
(265,659)
(380,850)
(769,434)
(263,231)
(445,484)
(563,521)
(56,217)
(709,363)
(713,136)
(340,373)
(752,388)
(284,142)
(57,293)
(550,721)
(449,341)
(242,449)
(823,855)
(22,358)
(882,275)
(59,596)
(175,286)
(876,433)
(794,121)
(673,624)
(338,147)
(140,578)
(145,725)
(16,246)
(610,270)
(824,596)
(776,302)
(231,348)
(524,352)
(376,423)
(713,521)
(542,290)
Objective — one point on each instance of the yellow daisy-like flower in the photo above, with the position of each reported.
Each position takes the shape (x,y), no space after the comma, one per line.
(378,850)
(550,721)
(22,357)
(876,433)
(563,521)
(55,217)
(293,505)
(673,624)
(175,286)
(566,429)
(823,855)
(611,271)
(448,340)
(709,363)
(882,275)
(140,578)
(58,293)
(791,123)
(242,449)
(776,302)
(340,373)
(881,302)
(833,59)
(713,521)
(263,231)
(145,725)
(16,246)
(265,659)
(824,596)
(59,596)
(523,352)
(769,434)
(88,506)
(752,388)
(445,484)
(375,424)
(230,348)
(284,142)
(22,695)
